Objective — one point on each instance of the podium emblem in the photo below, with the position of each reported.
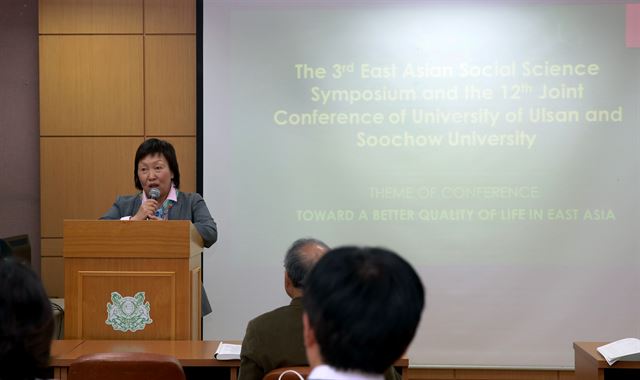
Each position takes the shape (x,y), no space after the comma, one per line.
(128,313)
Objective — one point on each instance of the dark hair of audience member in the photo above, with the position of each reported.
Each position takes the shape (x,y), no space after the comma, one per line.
(26,322)
(297,264)
(364,305)
(153,147)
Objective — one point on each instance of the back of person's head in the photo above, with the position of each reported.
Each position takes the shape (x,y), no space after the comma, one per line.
(363,306)
(26,322)
(301,257)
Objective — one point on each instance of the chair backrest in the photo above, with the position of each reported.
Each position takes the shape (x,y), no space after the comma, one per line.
(126,366)
(5,250)
(17,246)
(275,374)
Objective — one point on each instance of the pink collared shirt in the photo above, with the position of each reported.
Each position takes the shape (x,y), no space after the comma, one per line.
(173,196)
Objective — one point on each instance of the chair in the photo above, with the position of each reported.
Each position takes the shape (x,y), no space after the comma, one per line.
(126,366)
(275,374)
(17,246)
(5,250)
(57,306)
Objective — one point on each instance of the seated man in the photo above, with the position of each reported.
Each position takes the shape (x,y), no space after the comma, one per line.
(361,310)
(274,339)
(26,322)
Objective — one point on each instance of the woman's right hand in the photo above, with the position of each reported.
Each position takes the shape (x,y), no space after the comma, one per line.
(147,210)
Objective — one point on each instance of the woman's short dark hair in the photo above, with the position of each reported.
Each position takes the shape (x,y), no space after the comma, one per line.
(152,147)
(26,322)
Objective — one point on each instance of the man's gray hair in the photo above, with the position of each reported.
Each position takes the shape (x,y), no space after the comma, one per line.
(298,263)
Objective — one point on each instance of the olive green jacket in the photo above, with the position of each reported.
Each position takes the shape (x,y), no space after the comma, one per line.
(274,340)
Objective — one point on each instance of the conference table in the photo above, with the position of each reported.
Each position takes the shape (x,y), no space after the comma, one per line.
(196,356)
(590,365)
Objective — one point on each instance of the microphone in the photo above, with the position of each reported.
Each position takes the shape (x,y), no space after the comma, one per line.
(154,193)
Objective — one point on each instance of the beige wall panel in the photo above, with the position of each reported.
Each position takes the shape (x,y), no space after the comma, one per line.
(91,85)
(90,16)
(169,16)
(170,85)
(81,176)
(51,247)
(186,152)
(52,273)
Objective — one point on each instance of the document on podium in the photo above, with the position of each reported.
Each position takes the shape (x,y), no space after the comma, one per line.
(228,351)
(627,349)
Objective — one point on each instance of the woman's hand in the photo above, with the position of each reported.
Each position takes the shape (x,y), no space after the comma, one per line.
(147,211)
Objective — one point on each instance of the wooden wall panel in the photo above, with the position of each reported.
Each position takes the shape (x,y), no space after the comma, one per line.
(81,176)
(52,275)
(51,247)
(90,16)
(170,16)
(170,85)
(186,152)
(431,374)
(91,85)
(566,375)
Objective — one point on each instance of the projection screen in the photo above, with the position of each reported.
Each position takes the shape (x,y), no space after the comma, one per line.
(492,144)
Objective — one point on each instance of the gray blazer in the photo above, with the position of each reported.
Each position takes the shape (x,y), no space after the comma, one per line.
(190,206)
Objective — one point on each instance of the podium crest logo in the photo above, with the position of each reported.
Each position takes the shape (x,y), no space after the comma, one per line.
(128,313)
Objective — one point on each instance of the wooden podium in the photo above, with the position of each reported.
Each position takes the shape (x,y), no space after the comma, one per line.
(132,280)
(590,365)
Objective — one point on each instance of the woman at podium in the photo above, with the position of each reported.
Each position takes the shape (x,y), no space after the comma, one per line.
(157,176)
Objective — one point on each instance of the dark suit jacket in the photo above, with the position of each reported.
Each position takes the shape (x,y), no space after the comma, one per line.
(190,206)
(274,340)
